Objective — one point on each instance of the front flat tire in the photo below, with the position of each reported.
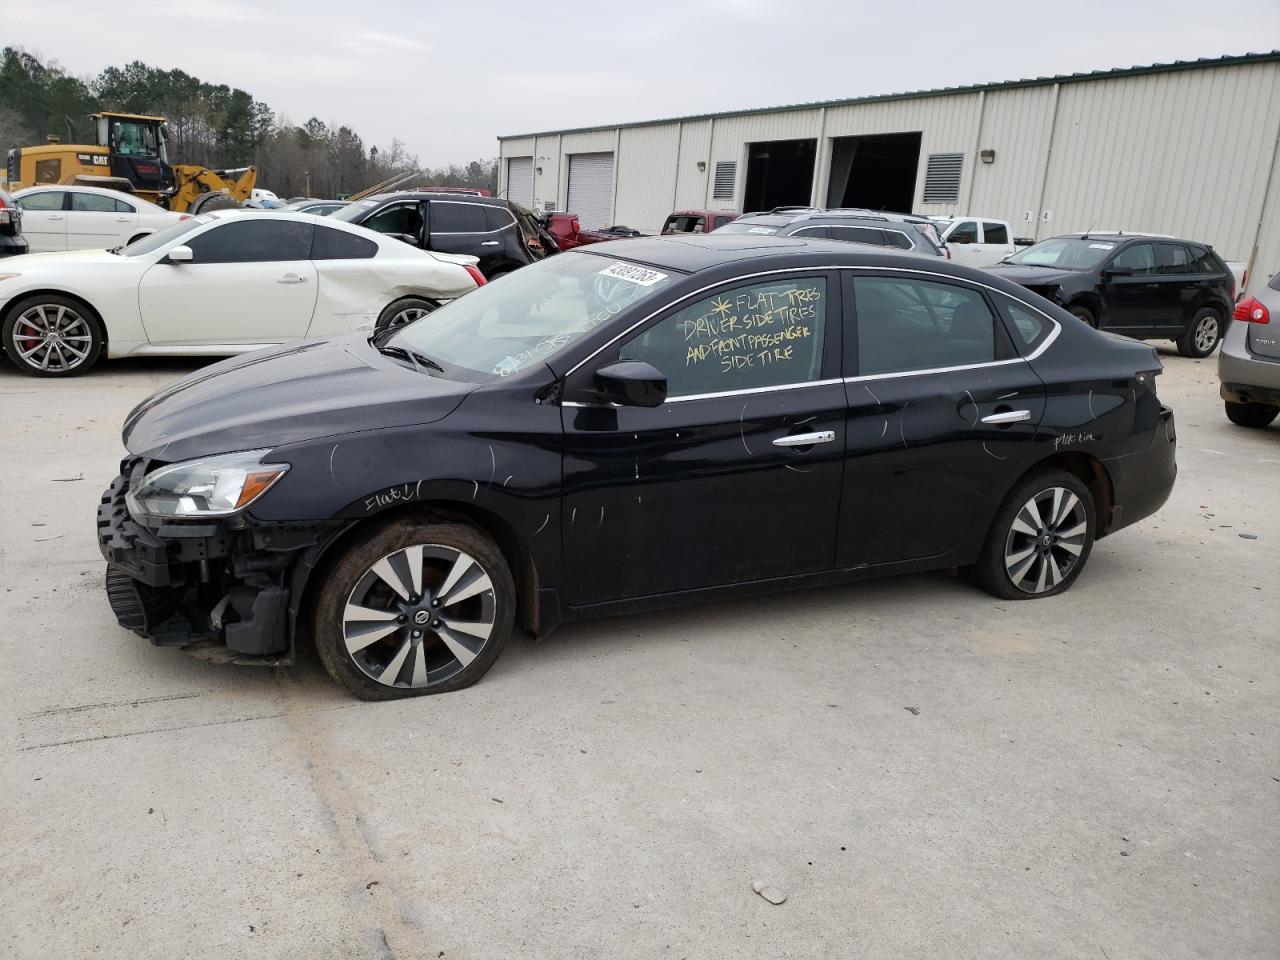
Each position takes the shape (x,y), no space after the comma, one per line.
(414,608)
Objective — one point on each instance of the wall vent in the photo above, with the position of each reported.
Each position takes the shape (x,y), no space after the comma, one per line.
(726,174)
(942,178)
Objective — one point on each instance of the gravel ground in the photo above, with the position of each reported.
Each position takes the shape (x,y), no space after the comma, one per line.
(921,770)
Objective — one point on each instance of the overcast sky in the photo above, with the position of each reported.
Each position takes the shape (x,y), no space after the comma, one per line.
(448,78)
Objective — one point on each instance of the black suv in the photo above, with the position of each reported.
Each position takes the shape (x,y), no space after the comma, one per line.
(898,230)
(1151,288)
(502,234)
(12,242)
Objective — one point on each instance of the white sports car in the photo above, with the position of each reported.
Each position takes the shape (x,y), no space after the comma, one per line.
(217,284)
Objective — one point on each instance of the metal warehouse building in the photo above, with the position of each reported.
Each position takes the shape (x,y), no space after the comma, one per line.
(1187,148)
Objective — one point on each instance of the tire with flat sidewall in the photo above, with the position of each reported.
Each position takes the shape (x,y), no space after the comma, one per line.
(359,556)
(22,306)
(990,572)
(1187,341)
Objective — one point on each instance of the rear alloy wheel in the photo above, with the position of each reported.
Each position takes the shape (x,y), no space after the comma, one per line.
(418,608)
(1202,334)
(404,312)
(52,336)
(1040,539)
(1251,414)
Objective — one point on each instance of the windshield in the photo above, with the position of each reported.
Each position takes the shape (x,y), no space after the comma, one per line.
(1065,253)
(529,316)
(162,238)
(355,212)
(746,226)
(131,138)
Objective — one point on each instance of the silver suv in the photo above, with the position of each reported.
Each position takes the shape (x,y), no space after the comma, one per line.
(1249,363)
(897,230)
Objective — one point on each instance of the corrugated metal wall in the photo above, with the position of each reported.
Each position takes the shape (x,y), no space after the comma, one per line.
(1185,152)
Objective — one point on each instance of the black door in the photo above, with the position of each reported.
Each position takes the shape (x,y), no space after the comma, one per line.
(457,226)
(1130,288)
(737,476)
(941,415)
(1180,288)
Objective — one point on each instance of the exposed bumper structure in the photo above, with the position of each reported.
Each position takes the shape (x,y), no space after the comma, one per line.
(200,584)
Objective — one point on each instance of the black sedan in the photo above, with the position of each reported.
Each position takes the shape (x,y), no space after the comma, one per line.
(1151,288)
(625,427)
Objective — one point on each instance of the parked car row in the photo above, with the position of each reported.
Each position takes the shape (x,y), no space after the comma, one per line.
(87,218)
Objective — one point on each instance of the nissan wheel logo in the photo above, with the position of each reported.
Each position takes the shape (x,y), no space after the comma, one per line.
(421,617)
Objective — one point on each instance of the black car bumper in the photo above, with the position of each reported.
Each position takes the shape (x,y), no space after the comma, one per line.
(184,584)
(11,246)
(1141,482)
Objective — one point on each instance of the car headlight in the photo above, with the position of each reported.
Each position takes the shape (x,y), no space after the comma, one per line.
(210,487)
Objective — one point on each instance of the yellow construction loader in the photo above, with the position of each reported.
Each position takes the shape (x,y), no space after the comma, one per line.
(130,155)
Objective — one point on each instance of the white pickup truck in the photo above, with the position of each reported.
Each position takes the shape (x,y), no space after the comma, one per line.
(978,241)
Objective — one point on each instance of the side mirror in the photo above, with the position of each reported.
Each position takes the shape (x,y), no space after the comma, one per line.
(182,254)
(632,383)
(1117,272)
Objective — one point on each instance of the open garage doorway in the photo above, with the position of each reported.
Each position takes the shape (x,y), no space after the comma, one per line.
(779,174)
(876,172)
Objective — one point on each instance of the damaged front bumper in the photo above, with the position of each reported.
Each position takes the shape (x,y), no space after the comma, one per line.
(221,588)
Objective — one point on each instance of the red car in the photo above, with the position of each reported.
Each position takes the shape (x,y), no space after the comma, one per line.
(697,221)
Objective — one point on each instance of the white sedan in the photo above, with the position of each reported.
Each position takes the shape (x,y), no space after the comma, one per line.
(87,218)
(217,284)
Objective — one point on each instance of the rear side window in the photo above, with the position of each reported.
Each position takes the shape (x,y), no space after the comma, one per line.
(966,231)
(96,203)
(857,235)
(1140,258)
(1028,327)
(253,241)
(760,335)
(894,238)
(330,244)
(908,325)
(495,218)
(1204,260)
(994,232)
(1172,258)
(449,217)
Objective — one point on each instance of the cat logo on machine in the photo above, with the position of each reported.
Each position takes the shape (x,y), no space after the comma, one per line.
(94,159)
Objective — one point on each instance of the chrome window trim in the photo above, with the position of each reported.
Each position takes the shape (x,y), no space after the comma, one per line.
(1044,345)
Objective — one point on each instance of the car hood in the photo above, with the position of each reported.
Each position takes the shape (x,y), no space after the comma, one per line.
(63,259)
(1031,276)
(299,391)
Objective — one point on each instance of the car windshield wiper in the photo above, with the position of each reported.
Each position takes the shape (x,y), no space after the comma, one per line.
(417,359)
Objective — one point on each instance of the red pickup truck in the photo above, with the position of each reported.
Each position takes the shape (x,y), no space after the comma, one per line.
(697,221)
(569,233)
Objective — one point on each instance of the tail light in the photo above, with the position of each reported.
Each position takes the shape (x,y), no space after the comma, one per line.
(476,275)
(1251,310)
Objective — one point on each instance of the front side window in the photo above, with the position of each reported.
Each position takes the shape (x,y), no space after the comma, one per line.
(761,335)
(402,218)
(994,232)
(132,139)
(966,231)
(162,238)
(1140,258)
(920,325)
(721,221)
(253,241)
(448,217)
(813,233)
(48,200)
(532,316)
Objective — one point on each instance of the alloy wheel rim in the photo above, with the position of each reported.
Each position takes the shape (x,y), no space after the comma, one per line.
(1206,334)
(1046,540)
(419,616)
(407,316)
(52,337)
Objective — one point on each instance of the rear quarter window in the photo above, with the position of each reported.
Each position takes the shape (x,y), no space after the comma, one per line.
(1029,328)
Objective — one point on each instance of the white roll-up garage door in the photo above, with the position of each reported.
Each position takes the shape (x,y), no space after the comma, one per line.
(520,180)
(591,188)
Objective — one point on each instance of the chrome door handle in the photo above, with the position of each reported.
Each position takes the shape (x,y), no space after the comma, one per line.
(122,219)
(490,243)
(1007,416)
(292,278)
(805,439)
(55,216)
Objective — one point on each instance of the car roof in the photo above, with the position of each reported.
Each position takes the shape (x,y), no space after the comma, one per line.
(695,252)
(825,216)
(439,194)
